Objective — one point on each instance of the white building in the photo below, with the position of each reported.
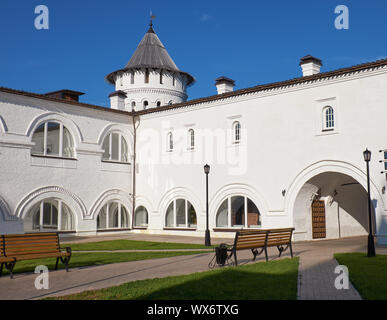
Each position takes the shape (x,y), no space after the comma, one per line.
(283,154)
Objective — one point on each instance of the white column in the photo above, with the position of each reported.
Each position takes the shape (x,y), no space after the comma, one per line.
(41,216)
(60,140)
(229,211)
(107,216)
(119,215)
(59,215)
(246,223)
(45,139)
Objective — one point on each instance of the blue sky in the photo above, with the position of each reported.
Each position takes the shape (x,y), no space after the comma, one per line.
(252,42)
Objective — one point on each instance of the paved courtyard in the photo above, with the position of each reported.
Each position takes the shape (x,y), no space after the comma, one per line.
(315,280)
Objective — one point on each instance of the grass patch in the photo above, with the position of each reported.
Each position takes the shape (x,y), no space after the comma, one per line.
(272,280)
(131,245)
(93,259)
(368,275)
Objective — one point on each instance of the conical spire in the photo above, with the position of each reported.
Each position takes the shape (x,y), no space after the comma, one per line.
(151,53)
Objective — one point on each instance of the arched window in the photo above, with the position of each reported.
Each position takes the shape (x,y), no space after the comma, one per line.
(53,139)
(173,80)
(48,215)
(158,103)
(115,148)
(170,102)
(180,214)
(236,128)
(141,217)
(113,215)
(146,76)
(133,105)
(191,139)
(161,76)
(239,212)
(169,141)
(145,104)
(328,118)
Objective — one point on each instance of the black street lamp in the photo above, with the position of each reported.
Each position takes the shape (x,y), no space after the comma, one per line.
(371,244)
(207,239)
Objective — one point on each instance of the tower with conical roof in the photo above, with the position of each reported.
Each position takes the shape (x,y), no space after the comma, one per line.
(150,79)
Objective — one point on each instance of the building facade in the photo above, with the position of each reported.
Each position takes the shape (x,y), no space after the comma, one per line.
(284,154)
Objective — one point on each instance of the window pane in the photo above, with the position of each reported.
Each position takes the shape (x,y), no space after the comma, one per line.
(222,215)
(38,139)
(237,211)
(124,218)
(169,216)
(101,219)
(192,221)
(141,217)
(180,213)
(124,150)
(113,215)
(68,145)
(53,129)
(67,218)
(115,143)
(252,215)
(105,147)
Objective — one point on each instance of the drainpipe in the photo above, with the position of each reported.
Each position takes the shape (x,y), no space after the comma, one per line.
(134,163)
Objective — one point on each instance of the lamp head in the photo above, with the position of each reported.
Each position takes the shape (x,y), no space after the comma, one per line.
(206,169)
(367,155)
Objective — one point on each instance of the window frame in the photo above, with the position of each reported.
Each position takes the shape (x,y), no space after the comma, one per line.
(236,132)
(187,225)
(328,120)
(228,200)
(61,138)
(121,138)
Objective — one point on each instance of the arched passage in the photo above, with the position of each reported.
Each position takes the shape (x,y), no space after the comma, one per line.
(330,205)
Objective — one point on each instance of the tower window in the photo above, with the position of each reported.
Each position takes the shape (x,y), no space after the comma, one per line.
(145,104)
(161,76)
(158,103)
(146,75)
(132,77)
(173,80)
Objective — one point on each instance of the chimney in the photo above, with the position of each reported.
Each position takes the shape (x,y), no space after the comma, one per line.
(310,65)
(117,100)
(65,95)
(224,85)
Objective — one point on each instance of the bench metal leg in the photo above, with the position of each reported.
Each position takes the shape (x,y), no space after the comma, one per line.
(256,253)
(1,269)
(267,259)
(10,267)
(291,249)
(56,264)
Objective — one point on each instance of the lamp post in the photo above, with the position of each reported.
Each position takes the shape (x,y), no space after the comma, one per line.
(371,245)
(207,239)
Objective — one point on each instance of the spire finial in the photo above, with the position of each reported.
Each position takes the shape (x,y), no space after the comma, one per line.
(151,19)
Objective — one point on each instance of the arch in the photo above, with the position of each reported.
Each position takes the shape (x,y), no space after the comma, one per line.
(108,196)
(116,128)
(236,190)
(55,117)
(324,167)
(71,200)
(183,193)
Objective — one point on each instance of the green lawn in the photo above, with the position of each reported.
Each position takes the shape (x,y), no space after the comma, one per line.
(272,280)
(368,275)
(130,245)
(92,259)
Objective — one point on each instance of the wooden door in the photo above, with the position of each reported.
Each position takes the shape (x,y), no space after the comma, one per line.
(318,219)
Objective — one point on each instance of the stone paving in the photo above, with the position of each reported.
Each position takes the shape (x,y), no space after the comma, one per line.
(315,280)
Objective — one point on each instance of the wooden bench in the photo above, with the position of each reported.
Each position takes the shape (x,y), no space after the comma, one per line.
(262,239)
(21,247)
